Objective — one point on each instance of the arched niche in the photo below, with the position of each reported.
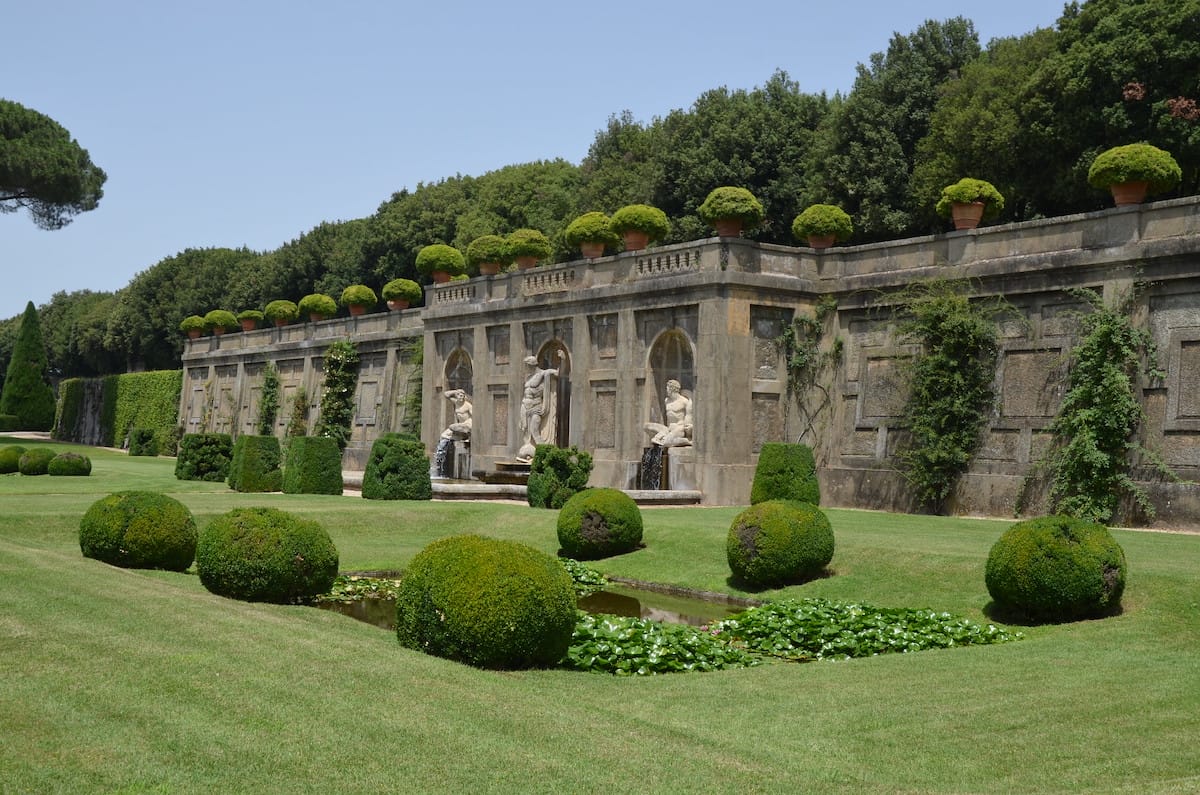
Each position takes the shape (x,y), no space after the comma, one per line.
(458,374)
(671,357)
(555,356)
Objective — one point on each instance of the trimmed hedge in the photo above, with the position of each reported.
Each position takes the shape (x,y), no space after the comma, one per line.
(785,472)
(35,461)
(139,529)
(142,442)
(779,542)
(8,422)
(70,464)
(10,458)
(204,456)
(556,474)
(124,402)
(266,555)
(486,602)
(256,464)
(314,466)
(398,469)
(597,523)
(1056,568)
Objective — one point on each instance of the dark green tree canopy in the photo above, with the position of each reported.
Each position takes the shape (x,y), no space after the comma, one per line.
(27,392)
(43,169)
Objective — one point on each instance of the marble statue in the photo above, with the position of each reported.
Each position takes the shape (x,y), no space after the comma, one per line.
(677,432)
(537,408)
(461,427)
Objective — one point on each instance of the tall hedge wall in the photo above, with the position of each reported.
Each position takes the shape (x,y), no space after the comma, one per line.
(101,411)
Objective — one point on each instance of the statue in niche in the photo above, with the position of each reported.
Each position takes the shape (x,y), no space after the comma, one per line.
(677,432)
(461,427)
(537,408)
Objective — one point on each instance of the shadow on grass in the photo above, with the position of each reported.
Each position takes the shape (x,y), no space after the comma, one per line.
(1003,614)
(737,583)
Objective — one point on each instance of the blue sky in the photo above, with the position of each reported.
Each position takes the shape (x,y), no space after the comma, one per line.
(231,123)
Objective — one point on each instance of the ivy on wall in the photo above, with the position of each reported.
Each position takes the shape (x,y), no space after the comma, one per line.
(130,400)
(952,384)
(806,358)
(337,399)
(268,402)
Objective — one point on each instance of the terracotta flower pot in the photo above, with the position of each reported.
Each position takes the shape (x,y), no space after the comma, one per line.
(280,322)
(728,227)
(966,216)
(194,333)
(591,250)
(635,240)
(821,241)
(525,263)
(440,277)
(249,325)
(357,309)
(1129,192)
(397,303)
(489,268)
(218,331)
(315,317)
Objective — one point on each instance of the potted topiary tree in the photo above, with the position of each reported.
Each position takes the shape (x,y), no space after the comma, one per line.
(488,254)
(969,201)
(249,318)
(822,225)
(220,319)
(281,312)
(358,298)
(318,306)
(527,247)
(730,209)
(401,293)
(1130,172)
(638,224)
(193,326)
(591,232)
(439,262)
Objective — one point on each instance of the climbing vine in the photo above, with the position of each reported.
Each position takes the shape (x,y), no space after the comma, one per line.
(268,403)
(412,353)
(337,401)
(1100,414)
(298,418)
(805,361)
(951,382)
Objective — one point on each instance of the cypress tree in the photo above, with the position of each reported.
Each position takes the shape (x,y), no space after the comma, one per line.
(27,392)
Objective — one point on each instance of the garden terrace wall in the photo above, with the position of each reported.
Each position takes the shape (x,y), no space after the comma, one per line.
(710,314)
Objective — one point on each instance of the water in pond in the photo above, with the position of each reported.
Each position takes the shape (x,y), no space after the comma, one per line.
(616,600)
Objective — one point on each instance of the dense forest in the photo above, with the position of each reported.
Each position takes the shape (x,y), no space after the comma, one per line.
(1028,114)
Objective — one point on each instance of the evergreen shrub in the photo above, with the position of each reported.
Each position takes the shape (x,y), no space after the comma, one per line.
(142,442)
(779,542)
(10,458)
(221,318)
(35,461)
(440,257)
(359,295)
(819,220)
(555,474)
(404,290)
(27,393)
(318,304)
(139,529)
(593,227)
(597,523)
(255,466)
(785,472)
(730,201)
(641,218)
(1056,568)
(69,464)
(1139,162)
(266,555)
(397,469)
(488,248)
(281,310)
(486,602)
(528,243)
(204,456)
(8,422)
(314,466)
(967,191)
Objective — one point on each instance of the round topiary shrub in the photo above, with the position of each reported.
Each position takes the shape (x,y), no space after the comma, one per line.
(785,472)
(731,202)
(779,542)
(593,227)
(823,220)
(397,469)
(140,530)
(359,295)
(402,290)
(1140,162)
(266,555)
(10,458)
(281,311)
(488,248)
(35,461)
(967,191)
(596,523)
(486,602)
(442,258)
(192,323)
(318,304)
(221,319)
(641,218)
(70,464)
(1056,568)
(523,243)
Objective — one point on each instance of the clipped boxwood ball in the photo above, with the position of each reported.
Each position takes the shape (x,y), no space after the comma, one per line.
(486,602)
(10,458)
(596,523)
(70,464)
(140,530)
(785,472)
(266,555)
(779,542)
(35,461)
(1056,568)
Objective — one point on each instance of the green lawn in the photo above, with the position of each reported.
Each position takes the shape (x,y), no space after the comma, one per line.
(114,680)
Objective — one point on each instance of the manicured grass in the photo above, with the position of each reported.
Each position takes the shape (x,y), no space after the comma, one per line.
(130,681)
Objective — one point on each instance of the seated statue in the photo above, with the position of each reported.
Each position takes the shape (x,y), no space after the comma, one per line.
(461,427)
(678,430)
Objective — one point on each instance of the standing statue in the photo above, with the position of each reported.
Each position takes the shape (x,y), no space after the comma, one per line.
(537,408)
(678,430)
(461,427)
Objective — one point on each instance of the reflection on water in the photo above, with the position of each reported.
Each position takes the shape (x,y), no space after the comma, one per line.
(617,600)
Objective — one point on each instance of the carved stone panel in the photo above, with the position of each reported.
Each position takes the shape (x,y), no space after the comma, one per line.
(604,414)
(604,336)
(499,400)
(767,418)
(1189,380)
(1000,446)
(885,387)
(766,326)
(1032,383)
(498,343)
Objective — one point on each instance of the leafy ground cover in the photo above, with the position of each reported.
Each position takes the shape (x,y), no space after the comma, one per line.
(132,681)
